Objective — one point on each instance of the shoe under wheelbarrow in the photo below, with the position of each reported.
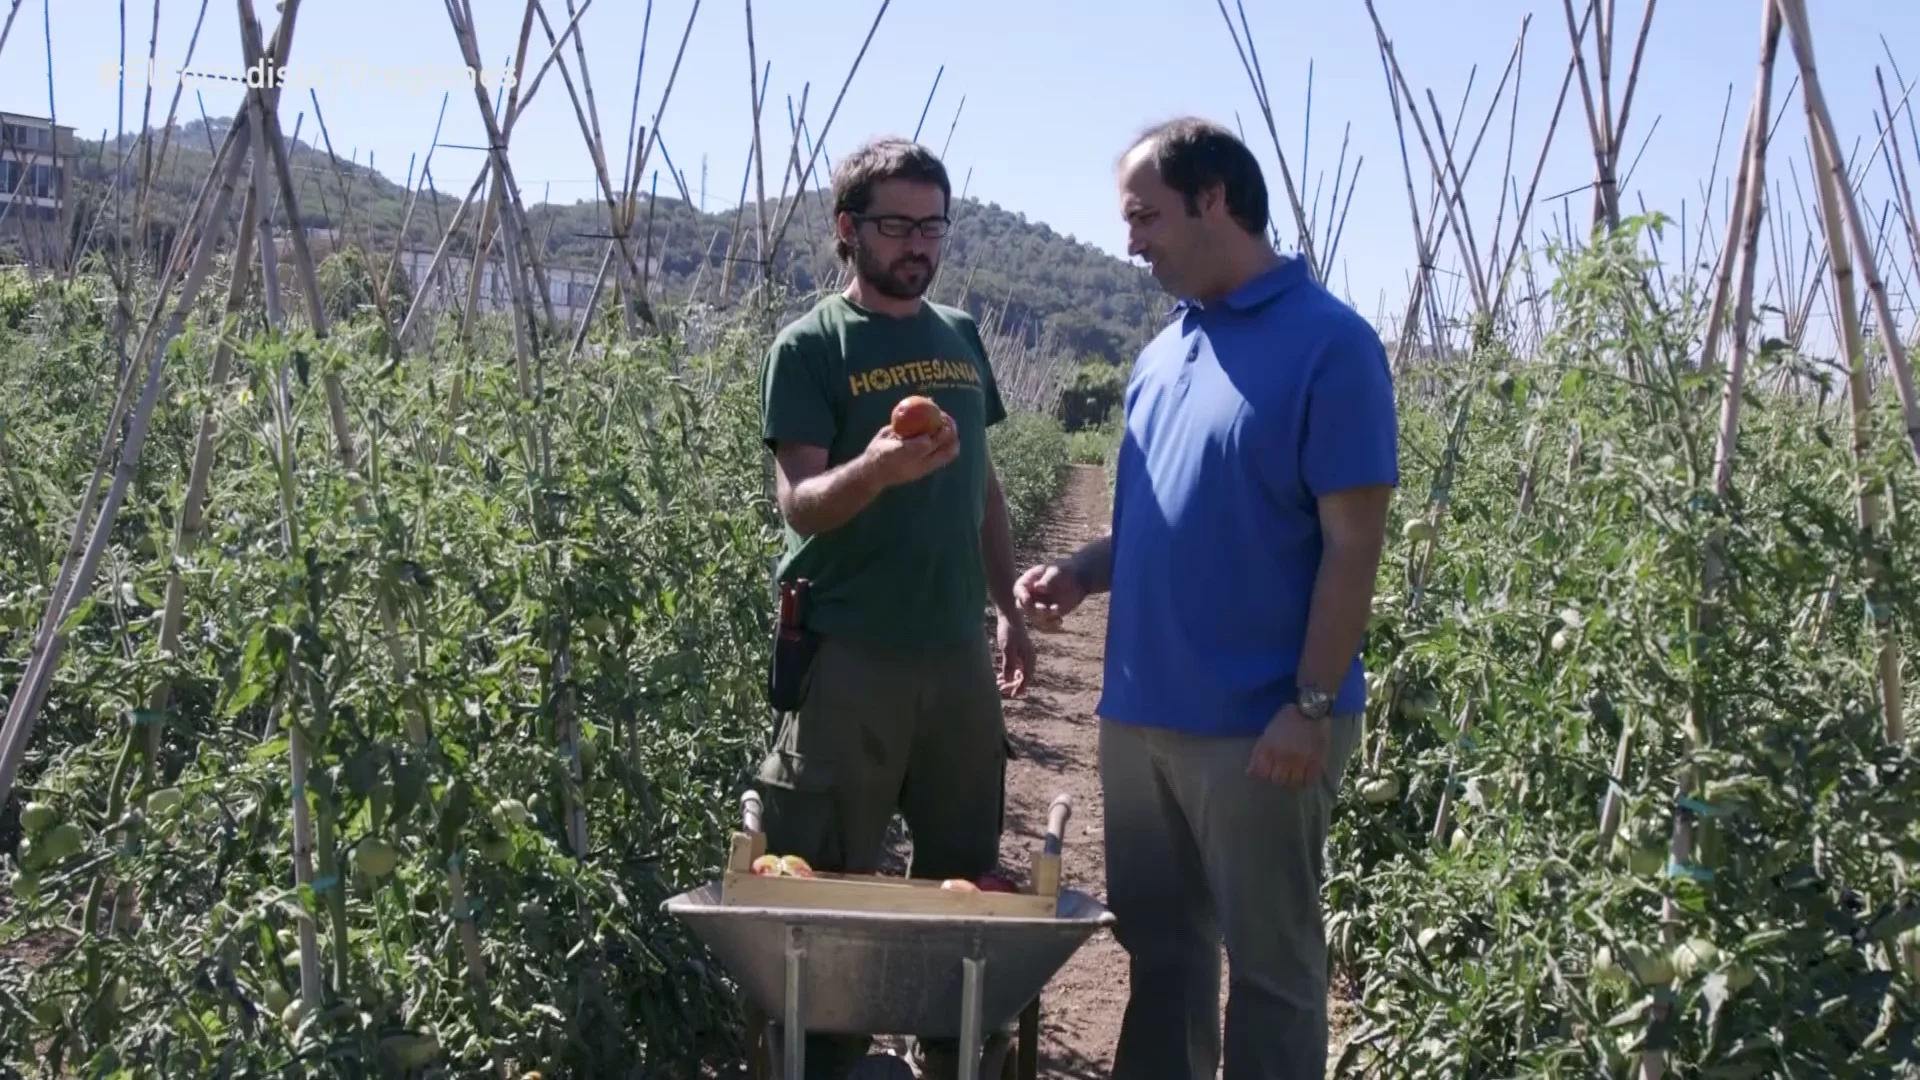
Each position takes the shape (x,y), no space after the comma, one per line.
(864,954)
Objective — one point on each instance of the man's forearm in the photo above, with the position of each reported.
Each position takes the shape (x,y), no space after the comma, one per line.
(1342,604)
(996,548)
(1093,565)
(824,502)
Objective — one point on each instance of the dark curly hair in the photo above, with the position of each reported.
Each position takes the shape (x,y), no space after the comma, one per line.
(875,161)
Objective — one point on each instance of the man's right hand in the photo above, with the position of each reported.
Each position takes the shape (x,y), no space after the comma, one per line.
(893,460)
(1047,593)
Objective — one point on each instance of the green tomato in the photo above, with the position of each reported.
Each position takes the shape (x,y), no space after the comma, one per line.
(1381,789)
(375,858)
(57,843)
(1642,860)
(1605,969)
(163,801)
(509,814)
(1419,704)
(36,818)
(1693,956)
(1652,967)
(420,1051)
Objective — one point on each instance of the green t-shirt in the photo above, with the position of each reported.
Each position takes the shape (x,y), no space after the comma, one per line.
(907,570)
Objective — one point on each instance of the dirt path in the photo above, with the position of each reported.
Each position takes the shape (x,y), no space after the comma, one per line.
(1054,736)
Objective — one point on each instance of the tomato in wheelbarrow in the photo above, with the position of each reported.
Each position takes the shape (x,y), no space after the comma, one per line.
(993,882)
(987,882)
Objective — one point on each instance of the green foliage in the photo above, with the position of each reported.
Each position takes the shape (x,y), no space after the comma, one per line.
(348,290)
(599,565)
(1523,942)
(1094,396)
(1029,451)
(1098,445)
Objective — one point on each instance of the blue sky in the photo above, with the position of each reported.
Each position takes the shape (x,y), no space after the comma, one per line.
(1053,89)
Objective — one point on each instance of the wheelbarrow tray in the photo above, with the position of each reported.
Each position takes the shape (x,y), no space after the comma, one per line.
(866,970)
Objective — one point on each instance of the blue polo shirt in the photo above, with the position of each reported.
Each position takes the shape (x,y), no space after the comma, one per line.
(1238,415)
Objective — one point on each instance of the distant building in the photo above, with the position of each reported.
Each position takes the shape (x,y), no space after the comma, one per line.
(36,183)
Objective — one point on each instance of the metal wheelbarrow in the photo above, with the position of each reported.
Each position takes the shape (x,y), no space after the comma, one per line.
(861,954)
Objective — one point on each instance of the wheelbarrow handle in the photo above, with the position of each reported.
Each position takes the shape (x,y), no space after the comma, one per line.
(1057,816)
(750,810)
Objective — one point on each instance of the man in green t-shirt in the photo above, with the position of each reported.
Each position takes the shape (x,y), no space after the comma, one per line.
(900,541)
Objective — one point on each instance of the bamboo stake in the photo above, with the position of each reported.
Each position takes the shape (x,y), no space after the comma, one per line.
(516,233)
(418,729)
(186,537)
(1723,273)
(1433,161)
(1830,177)
(589,119)
(312,987)
(653,132)
(755,98)
(7,27)
(1749,205)
(83,559)
(1821,121)
(1896,164)
(518,242)
(786,214)
(1250,61)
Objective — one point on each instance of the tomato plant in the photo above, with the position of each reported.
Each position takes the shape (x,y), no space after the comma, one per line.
(1533,943)
(605,570)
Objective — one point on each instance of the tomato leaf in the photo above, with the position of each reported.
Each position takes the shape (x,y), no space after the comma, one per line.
(1895,923)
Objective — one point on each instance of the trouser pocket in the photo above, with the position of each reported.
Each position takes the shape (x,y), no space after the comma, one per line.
(798,811)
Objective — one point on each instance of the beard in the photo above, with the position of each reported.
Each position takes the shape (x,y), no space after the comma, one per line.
(906,278)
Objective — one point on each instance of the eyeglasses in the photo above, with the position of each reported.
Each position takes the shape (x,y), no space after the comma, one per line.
(900,225)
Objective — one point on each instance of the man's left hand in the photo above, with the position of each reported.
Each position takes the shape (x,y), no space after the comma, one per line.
(1292,751)
(1016,656)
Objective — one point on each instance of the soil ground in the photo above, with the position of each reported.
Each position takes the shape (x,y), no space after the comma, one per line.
(1055,735)
(1055,740)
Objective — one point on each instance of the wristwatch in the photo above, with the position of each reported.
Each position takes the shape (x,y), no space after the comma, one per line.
(1314,702)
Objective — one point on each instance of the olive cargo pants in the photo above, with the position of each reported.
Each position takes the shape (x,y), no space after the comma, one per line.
(878,731)
(1197,850)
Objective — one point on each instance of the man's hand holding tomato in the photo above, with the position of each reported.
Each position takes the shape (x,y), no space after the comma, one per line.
(920,439)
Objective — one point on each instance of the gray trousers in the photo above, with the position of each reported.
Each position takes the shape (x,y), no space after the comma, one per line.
(1196,851)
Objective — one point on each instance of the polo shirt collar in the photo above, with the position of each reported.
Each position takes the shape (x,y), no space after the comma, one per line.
(1291,270)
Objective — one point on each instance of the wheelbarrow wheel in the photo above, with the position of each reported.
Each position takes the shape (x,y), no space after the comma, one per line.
(763,1046)
(997,1060)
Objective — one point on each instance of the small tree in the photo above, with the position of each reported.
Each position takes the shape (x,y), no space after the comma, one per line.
(1097,389)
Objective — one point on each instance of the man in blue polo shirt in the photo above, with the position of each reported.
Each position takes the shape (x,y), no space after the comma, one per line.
(1249,511)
